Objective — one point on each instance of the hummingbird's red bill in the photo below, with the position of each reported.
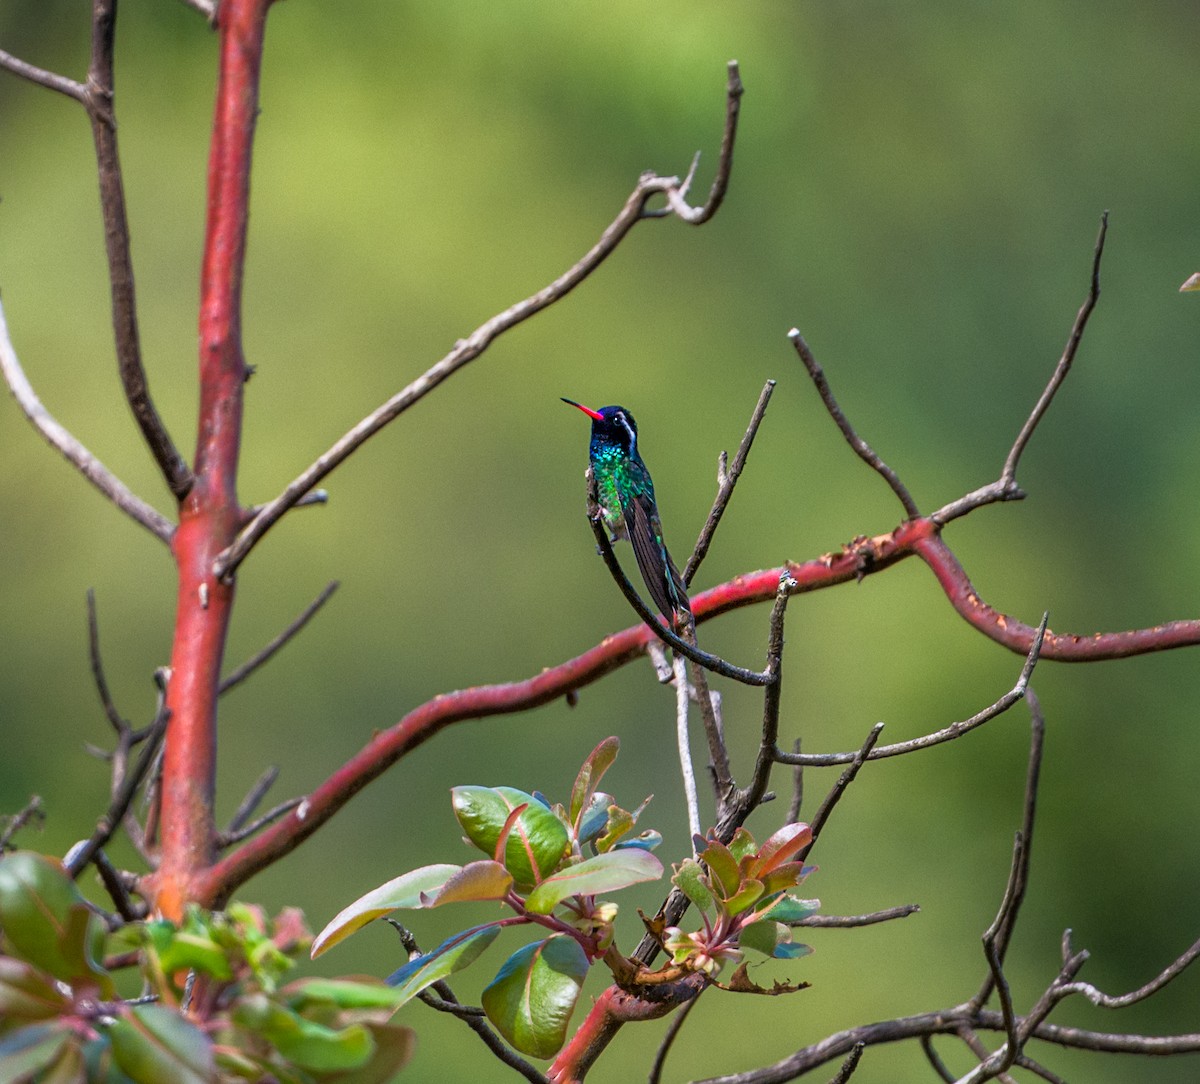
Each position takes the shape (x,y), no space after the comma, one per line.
(595,415)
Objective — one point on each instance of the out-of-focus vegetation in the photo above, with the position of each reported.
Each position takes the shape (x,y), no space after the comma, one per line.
(917,187)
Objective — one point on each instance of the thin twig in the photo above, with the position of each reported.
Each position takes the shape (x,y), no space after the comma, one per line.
(793,813)
(699,215)
(118,889)
(949,733)
(702,658)
(99,104)
(1009,474)
(1008,906)
(683,742)
(119,724)
(935,1059)
(70,448)
(727,477)
(256,660)
(849,1065)
(861,448)
(43,78)
(466,350)
(839,788)
(16,821)
(82,853)
(668,1039)
(752,796)
(1007,919)
(253,796)
(846,922)
(227,839)
(1108,1001)
(477,1023)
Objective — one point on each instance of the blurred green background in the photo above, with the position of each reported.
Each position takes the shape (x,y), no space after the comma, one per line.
(917,187)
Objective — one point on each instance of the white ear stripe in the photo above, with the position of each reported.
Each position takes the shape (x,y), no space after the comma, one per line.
(628,429)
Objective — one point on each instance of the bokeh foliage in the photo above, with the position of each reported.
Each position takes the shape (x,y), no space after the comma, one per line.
(917,187)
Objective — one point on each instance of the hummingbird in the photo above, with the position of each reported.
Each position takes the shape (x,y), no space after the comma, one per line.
(626,495)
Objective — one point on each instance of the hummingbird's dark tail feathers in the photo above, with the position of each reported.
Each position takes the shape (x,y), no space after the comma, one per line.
(662,578)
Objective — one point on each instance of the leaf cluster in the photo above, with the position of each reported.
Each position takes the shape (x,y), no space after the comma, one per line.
(214,1010)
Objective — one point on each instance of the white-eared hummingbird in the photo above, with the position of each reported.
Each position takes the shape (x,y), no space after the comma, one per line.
(626,495)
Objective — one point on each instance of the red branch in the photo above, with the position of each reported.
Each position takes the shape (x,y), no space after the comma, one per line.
(859,558)
(210,515)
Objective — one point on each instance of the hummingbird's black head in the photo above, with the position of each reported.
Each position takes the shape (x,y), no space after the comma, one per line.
(612,426)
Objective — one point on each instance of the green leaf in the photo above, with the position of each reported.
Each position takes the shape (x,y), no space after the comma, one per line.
(67,1068)
(482,880)
(781,847)
(407,890)
(724,875)
(538,842)
(27,992)
(771,939)
(747,895)
(450,956)
(152,1044)
(742,844)
(531,999)
(599,760)
(25,1051)
(187,947)
(304,1043)
(690,879)
(791,950)
(46,921)
(790,909)
(787,875)
(394,1046)
(343,993)
(602,873)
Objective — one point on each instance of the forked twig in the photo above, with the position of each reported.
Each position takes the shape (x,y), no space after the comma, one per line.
(949,733)
(861,448)
(727,478)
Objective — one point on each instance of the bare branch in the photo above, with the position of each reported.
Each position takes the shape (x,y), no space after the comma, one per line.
(117,886)
(727,477)
(70,448)
(1006,920)
(226,839)
(1108,1001)
(257,660)
(702,658)
(949,733)
(668,1040)
(119,724)
(253,796)
(861,448)
(844,781)
(752,796)
(1009,475)
(43,78)
(33,811)
(1008,908)
(849,1065)
(99,103)
(684,745)
(82,853)
(466,350)
(676,197)
(846,922)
